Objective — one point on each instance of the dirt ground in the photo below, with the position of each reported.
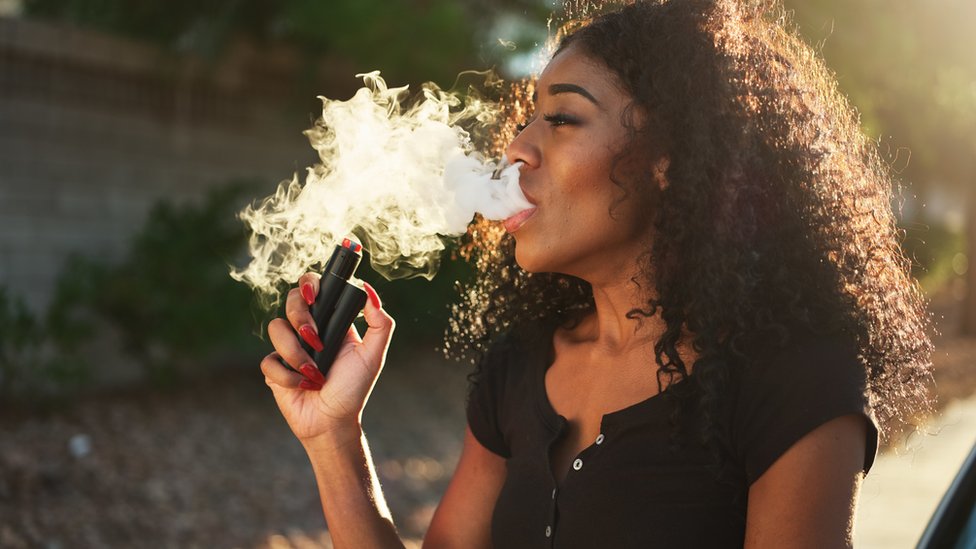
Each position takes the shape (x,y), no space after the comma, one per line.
(213,465)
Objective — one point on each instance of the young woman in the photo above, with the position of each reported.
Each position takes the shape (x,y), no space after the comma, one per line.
(694,337)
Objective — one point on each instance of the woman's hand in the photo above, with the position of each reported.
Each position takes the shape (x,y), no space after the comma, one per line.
(314,405)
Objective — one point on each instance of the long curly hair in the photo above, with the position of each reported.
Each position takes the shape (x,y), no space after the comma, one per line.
(777,216)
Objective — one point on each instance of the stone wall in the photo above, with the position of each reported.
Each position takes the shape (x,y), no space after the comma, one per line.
(95,129)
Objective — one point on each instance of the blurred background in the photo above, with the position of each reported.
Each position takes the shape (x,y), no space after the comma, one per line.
(132,410)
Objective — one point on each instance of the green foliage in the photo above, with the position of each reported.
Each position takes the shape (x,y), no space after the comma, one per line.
(169,303)
(19,336)
(433,38)
(931,250)
(170,300)
(30,369)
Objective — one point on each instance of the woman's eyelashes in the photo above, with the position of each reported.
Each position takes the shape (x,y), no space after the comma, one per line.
(554,120)
(560,119)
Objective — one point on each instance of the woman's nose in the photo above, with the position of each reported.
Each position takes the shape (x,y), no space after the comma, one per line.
(524,148)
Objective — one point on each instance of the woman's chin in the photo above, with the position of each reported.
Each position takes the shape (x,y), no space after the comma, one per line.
(525,259)
(529,260)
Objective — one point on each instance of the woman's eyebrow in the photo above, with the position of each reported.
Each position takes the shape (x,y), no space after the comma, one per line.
(556,89)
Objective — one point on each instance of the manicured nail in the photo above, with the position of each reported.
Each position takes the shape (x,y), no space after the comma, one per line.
(309,386)
(311,372)
(374,298)
(310,337)
(308,293)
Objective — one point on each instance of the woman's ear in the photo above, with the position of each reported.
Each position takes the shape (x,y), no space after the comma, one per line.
(660,170)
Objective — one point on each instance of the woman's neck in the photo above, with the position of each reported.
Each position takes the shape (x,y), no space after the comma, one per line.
(608,329)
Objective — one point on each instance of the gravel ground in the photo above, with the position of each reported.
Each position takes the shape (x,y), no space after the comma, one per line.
(214,465)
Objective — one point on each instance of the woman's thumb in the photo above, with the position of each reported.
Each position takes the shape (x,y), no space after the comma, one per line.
(376,340)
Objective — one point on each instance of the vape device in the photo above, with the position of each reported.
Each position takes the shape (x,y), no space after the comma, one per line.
(337,304)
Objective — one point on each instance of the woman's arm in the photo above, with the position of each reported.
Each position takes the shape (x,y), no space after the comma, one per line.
(352,499)
(356,512)
(807,498)
(463,518)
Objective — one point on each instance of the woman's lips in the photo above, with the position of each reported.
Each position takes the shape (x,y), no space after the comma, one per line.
(513,223)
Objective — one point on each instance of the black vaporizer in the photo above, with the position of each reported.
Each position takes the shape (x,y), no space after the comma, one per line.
(337,304)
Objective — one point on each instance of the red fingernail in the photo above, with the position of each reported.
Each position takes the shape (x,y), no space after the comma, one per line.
(313,374)
(310,337)
(308,293)
(374,298)
(309,385)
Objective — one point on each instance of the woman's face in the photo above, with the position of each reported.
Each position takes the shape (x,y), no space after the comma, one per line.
(568,148)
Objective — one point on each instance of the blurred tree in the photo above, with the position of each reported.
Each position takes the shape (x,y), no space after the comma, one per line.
(406,39)
(910,69)
(169,300)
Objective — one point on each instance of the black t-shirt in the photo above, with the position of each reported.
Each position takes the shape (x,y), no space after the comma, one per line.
(631,487)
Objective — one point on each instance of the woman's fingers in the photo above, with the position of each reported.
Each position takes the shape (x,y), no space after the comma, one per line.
(286,343)
(276,372)
(376,340)
(308,287)
(309,385)
(299,300)
(312,373)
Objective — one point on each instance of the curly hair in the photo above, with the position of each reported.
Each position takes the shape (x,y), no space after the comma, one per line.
(777,216)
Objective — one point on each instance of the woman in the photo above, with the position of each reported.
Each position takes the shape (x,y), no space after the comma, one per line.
(706,211)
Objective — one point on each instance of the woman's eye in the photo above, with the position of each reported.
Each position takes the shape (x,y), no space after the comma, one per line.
(556,119)
(559,119)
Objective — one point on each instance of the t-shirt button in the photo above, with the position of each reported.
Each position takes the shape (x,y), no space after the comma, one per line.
(548,531)
(578,464)
(553,493)
(599,438)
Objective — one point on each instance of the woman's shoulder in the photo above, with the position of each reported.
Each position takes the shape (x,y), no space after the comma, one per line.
(807,354)
(807,368)
(811,379)
(501,386)
(513,351)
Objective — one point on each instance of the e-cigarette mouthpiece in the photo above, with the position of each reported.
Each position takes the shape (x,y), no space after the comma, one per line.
(337,304)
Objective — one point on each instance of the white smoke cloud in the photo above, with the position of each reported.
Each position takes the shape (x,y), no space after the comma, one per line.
(400,178)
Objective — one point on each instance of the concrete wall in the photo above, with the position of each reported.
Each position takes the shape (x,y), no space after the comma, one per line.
(95,129)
